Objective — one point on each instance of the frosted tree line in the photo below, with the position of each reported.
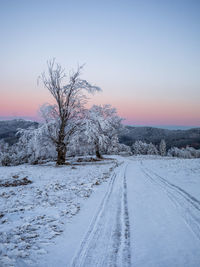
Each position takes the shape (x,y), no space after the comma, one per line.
(35,145)
(142,148)
(188,152)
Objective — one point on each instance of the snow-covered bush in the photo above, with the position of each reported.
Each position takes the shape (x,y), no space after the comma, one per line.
(11,157)
(151,149)
(33,147)
(139,148)
(188,152)
(195,153)
(8,154)
(124,150)
(142,148)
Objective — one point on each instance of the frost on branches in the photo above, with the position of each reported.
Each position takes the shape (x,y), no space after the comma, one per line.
(162,148)
(188,152)
(65,117)
(142,148)
(33,147)
(68,128)
(93,131)
(101,129)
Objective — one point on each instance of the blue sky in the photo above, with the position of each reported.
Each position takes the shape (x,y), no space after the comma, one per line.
(144,54)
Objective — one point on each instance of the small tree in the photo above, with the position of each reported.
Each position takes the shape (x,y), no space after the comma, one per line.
(142,148)
(101,127)
(34,146)
(139,148)
(152,150)
(162,148)
(65,116)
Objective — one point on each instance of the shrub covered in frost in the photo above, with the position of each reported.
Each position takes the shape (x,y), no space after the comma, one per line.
(188,152)
(124,150)
(33,147)
(142,148)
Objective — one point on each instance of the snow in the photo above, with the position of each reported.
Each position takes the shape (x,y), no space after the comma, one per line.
(183,172)
(34,215)
(165,223)
(144,212)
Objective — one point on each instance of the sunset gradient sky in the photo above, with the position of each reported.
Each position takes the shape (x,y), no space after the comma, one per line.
(145,55)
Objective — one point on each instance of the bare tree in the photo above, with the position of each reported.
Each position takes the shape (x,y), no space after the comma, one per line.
(65,116)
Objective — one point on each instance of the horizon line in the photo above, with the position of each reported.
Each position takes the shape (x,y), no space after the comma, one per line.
(166,126)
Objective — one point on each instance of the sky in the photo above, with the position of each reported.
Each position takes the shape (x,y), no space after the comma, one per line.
(145,55)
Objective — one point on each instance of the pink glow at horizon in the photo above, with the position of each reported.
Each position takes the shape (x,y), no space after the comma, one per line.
(151,112)
(162,114)
(134,111)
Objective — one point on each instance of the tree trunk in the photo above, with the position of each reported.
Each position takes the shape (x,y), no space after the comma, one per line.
(61,146)
(98,155)
(61,150)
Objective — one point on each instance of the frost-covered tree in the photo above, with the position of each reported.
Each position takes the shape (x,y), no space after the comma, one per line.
(34,146)
(66,115)
(101,127)
(139,148)
(188,152)
(151,149)
(4,153)
(162,148)
(142,148)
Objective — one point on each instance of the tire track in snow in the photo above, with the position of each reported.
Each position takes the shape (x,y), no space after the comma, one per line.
(126,248)
(77,261)
(188,205)
(107,242)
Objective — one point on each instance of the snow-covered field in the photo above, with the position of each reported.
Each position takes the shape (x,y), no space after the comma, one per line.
(143,211)
(33,215)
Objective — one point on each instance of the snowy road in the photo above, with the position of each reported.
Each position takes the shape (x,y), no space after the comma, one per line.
(164,219)
(143,220)
(107,243)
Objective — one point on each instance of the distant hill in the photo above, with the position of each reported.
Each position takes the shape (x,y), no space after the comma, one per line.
(178,138)
(9,128)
